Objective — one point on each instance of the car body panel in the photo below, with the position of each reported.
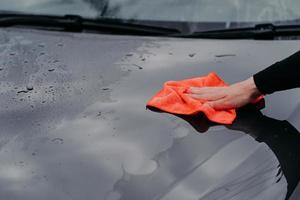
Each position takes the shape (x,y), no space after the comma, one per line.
(75,125)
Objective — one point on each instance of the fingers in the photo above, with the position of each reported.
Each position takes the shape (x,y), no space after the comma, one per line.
(198,90)
(207,93)
(222,98)
(219,98)
(216,101)
(208,97)
(195,90)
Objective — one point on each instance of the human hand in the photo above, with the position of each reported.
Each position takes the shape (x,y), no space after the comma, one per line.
(233,96)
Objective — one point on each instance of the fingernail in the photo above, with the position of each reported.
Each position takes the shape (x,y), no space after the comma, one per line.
(188,90)
(192,89)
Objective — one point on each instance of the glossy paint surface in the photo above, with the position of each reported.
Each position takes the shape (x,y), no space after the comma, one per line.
(74,123)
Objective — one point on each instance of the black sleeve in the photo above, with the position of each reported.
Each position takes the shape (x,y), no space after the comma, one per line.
(282,75)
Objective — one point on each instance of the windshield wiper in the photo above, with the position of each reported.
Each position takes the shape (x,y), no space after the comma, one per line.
(260,31)
(75,23)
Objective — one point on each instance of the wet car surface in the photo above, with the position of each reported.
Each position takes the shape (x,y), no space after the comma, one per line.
(74,123)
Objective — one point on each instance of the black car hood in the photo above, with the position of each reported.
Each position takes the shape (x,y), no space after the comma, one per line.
(74,123)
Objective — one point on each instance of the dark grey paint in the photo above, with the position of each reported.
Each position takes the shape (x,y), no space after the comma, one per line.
(74,123)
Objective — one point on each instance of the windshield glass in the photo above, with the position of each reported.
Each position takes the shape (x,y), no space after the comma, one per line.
(194,11)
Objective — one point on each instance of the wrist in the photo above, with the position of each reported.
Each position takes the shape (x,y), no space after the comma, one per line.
(251,88)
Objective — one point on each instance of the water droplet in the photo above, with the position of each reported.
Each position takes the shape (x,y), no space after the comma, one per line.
(22,91)
(58,140)
(224,55)
(139,67)
(29,87)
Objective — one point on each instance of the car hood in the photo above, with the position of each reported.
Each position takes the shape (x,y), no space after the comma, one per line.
(75,126)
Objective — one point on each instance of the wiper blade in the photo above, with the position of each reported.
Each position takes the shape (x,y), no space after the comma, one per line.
(75,23)
(260,31)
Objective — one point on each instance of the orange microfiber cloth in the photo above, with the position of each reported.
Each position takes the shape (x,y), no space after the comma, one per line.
(174,99)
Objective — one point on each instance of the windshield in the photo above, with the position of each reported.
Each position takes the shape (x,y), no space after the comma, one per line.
(193,11)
